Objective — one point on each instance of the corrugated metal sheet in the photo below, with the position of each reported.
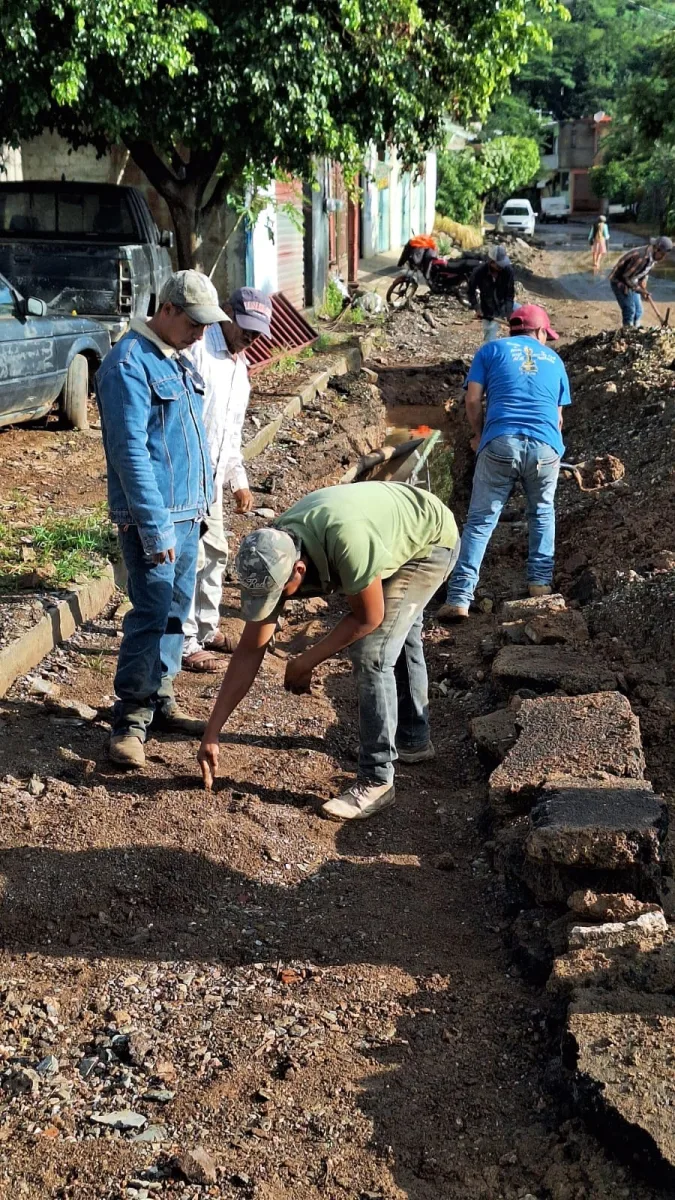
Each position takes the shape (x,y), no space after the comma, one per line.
(289,331)
(290,243)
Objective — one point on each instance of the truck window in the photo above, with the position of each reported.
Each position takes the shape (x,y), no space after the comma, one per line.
(6,301)
(68,214)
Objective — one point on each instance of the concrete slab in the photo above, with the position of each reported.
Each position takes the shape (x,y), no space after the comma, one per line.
(495,733)
(589,735)
(650,929)
(640,967)
(549,668)
(618,1047)
(603,827)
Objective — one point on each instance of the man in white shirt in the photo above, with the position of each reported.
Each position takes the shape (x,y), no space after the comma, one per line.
(221,361)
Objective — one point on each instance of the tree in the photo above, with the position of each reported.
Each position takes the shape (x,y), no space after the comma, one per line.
(211,100)
(495,170)
(592,55)
(513,116)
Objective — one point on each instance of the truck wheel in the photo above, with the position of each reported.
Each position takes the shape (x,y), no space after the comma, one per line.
(75,394)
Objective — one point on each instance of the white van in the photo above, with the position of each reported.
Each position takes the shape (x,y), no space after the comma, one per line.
(517,216)
(555,208)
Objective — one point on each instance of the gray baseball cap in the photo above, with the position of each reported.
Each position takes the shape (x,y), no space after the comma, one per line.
(195,294)
(264,564)
(498,255)
(664,244)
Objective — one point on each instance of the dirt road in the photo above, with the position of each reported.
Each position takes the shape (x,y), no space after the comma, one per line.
(327,1012)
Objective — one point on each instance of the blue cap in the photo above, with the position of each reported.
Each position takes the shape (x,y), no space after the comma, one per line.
(252,310)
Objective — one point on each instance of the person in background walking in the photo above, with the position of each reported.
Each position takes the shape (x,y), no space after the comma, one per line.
(387,547)
(628,280)
(159,488)
(525,387)
(598,238)
(220,359)
(492,291)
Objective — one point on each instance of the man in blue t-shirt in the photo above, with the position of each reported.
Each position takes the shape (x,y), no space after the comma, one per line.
(525,387)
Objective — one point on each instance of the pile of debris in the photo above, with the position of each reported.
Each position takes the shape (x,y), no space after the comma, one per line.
(579,844)
(623,389)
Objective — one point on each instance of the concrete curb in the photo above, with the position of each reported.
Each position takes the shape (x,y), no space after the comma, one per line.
(86,601)
(82,604)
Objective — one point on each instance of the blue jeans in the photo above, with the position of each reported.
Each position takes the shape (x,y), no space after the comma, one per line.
(152,643)
(500,465)
(491,330)
(630,304)
(391,674)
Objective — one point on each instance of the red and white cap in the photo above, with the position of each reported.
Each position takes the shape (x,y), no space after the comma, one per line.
(529,318)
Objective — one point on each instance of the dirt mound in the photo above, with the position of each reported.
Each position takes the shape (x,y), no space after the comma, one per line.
(618,431)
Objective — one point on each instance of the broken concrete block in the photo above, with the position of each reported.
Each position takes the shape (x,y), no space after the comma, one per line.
(516,610)
(564,628)
(650,927)
(589,735)
(547,668)
(581,824)
(618,1046)
(609,906)
(495,733)
(643,966)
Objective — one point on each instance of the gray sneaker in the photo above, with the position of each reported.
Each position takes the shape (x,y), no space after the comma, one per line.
(416,754)
(359,802)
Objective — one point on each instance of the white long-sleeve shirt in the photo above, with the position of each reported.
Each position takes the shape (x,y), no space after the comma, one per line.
(226,397)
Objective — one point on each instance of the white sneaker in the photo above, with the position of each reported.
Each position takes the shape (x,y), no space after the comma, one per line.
(360,801)
(416,754)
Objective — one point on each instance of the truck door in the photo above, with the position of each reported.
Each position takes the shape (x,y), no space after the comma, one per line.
(30,379)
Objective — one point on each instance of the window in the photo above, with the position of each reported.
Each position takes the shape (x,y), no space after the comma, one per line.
(29,212)
(516,210)
(6,300)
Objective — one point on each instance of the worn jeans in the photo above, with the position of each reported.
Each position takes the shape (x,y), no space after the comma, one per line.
(491,330)
(391,674)
(152,642)
(500,465)
(203,620)
(630,304)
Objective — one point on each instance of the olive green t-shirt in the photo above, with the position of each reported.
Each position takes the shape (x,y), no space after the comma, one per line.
(357,532)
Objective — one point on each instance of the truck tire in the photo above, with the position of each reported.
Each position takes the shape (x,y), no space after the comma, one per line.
(75,395)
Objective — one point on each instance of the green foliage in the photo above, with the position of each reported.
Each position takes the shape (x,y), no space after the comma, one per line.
(497,169)
(460,183)
(333,303)
(618,181)
(508,164)
(592,56)
(210,99)
(512,116)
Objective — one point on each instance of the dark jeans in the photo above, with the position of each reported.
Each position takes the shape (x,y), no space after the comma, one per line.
(150,654)
(391,674)
(630,304)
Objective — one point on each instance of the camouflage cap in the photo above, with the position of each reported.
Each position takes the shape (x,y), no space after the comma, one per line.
(264,565)
(195,294)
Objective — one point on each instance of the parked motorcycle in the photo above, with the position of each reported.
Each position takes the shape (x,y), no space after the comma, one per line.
(444,276)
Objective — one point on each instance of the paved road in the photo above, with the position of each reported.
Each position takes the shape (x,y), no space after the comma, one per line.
(569,247)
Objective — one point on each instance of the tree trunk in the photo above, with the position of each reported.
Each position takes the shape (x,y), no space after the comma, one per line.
(186,222)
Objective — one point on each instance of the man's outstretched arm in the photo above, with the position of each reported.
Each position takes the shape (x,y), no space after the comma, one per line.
(241,672)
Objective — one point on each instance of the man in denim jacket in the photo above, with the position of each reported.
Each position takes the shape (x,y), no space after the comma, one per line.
(159,487)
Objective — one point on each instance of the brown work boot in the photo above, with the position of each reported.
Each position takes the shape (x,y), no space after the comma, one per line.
(126,750)
(169,718)
(539,589)
(449,614)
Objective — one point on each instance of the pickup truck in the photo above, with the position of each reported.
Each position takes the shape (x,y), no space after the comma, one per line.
(90,249)
(45,358)
(554,208)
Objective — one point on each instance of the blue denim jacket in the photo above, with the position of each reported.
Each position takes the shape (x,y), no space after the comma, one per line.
(159,468)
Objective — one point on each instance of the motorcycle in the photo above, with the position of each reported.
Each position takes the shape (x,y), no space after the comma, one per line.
(443,276)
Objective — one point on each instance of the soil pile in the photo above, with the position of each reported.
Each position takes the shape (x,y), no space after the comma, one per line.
(623,389)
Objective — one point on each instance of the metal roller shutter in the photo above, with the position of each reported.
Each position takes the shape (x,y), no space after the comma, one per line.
(290,244)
